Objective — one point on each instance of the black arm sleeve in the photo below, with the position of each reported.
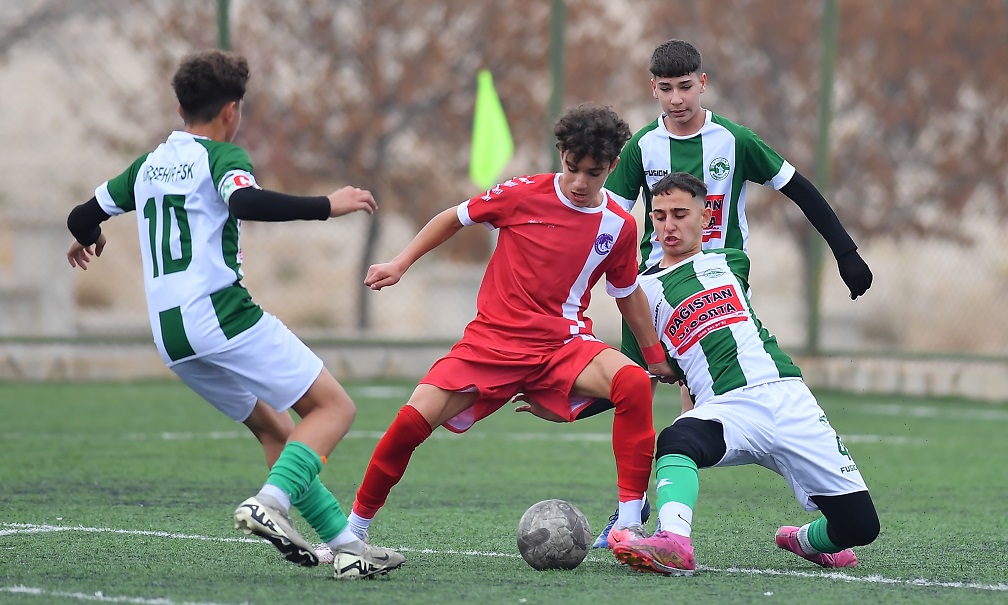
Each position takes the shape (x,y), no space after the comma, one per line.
(819,214)
(84,221)
(254,204)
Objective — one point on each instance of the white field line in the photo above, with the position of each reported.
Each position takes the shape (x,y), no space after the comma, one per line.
(95,597)
(29,528)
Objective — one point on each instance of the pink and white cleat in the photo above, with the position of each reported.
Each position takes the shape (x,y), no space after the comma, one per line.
(787,538)
(665,553)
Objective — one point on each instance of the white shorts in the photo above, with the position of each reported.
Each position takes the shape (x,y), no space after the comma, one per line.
(266,362)
(780,426)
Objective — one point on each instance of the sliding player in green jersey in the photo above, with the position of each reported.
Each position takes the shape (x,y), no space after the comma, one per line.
(190,196)
(749,402)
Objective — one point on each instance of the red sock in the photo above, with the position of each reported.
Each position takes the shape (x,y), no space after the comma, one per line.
(389,460)
(633,434)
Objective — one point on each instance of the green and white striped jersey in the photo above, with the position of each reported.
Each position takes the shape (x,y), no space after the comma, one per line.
(724,154)
(189,241)
(711,335)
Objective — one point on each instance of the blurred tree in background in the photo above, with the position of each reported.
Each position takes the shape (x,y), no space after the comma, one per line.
(379,93)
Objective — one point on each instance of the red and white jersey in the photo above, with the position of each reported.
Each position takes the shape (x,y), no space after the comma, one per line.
(549,255)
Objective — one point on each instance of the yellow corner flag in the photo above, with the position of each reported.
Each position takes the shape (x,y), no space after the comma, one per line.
(492,146)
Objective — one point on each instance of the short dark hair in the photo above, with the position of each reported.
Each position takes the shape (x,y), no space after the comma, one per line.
(674,59)
(683,181)
(593,131)
(206,81)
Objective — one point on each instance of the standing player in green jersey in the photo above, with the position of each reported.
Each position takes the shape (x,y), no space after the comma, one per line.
(688,138)
(751,404)
(190,196)
(726,156)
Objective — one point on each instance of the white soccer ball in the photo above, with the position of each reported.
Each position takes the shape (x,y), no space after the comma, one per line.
(554,534)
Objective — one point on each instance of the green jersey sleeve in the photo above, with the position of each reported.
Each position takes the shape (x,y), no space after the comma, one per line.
(739,264)
(760,163)
(120,188)
(225,158)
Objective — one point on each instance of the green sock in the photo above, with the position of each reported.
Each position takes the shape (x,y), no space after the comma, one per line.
(297,466)
(321,510)
(677,480)
(819,539)
(678,487)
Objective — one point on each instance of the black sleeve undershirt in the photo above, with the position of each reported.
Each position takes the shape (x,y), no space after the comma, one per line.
(247,204)
(84,221)
(818,212)
(253,204)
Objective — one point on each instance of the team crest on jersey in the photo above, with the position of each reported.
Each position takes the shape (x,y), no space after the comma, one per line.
(604,243)
(719,169)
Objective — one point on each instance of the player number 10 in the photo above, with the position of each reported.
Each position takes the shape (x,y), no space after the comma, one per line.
(171,206)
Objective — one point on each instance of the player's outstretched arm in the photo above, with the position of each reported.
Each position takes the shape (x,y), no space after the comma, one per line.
(434,233)
(254,204)
(854,270)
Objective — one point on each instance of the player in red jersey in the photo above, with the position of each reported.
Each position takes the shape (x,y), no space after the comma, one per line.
(558,235)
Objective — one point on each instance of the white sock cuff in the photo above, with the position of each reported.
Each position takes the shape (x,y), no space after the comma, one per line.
(277,494)
(803,540)
(344,537)
(629,513)
(358,524)
(677,518)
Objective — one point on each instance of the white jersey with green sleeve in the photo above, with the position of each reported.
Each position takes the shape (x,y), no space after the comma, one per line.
(722,153)
(710,333)
(189,241)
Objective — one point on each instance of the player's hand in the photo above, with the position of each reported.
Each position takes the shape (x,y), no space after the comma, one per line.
(855,273)
(80,256)
(663,372)
(351,199)
(383,274)
(533,407)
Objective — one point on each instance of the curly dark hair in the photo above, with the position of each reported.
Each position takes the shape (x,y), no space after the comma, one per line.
(206,81)
(674,59)
(593,131)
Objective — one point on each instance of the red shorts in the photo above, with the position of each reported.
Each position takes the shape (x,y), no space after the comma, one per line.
(498,376)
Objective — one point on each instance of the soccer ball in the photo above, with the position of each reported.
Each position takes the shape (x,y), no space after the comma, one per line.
(553,534)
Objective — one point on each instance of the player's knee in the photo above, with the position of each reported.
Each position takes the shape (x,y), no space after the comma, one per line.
(860,529)
(338,409)
(852,518)
(630,384)
(702,441)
